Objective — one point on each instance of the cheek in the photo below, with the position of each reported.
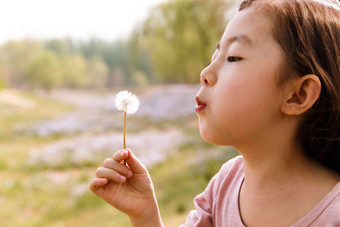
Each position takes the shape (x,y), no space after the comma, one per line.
(245,102)
(234,96)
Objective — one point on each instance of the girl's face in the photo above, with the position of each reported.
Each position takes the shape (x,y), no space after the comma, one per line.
(239,101)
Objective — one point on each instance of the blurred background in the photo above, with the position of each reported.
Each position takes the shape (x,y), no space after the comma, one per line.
(61,64)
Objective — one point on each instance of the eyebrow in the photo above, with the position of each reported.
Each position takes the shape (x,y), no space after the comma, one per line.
(240,38)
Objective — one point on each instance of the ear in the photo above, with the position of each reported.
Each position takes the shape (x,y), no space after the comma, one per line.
(301,94)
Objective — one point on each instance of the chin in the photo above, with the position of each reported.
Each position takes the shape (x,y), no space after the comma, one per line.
(213,139)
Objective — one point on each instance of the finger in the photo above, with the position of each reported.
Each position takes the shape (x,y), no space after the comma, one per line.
(134,163)
(110,174)
(120,155)
(117,166)
(97,183)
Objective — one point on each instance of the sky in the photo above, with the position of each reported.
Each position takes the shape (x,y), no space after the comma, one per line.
(78,19)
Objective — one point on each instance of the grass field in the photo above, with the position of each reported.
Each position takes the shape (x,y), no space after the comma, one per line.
(34,195)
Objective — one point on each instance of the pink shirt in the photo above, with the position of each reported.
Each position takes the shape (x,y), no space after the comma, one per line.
(218,204)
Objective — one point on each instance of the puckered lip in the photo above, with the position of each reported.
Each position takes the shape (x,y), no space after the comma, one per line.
(200,105)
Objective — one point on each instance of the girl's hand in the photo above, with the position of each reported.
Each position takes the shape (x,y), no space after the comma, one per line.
(127,187)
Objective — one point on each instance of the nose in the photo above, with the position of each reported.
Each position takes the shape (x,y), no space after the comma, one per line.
(208,76)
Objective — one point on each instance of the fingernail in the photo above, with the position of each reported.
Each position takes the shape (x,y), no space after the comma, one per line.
(122,178)
(103,180)
(122,153)
(129,174)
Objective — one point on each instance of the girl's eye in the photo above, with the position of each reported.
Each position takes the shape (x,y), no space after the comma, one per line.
(233,59)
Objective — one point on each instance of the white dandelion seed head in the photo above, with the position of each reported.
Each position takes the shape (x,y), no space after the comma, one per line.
(127,102)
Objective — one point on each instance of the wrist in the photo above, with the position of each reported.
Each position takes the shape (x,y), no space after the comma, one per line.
(150,217)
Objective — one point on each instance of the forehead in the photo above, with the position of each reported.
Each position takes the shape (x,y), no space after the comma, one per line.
(247,27)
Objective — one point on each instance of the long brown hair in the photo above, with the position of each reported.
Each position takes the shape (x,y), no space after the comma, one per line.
(309,33)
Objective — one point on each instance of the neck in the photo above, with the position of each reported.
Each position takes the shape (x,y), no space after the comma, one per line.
(275,169)
(277,161)
(280,180)
(272,171)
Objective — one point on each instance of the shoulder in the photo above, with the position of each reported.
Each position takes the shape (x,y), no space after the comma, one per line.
(232,168)
(332,205)
(234,163)
(228,177)
(327,213)
(219,196)
(330,216)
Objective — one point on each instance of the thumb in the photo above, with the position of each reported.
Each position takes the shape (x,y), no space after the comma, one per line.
(96,183)
(134,163)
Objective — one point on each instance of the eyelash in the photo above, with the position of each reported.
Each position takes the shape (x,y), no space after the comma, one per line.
(233,59)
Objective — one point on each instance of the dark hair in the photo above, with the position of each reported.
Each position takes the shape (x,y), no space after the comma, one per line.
(309,33)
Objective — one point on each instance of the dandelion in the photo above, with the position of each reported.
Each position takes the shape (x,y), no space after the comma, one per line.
(127,103)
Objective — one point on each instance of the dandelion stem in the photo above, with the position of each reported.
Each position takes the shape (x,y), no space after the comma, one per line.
(124,134)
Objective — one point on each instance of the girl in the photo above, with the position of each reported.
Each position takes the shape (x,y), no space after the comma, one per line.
(272,91)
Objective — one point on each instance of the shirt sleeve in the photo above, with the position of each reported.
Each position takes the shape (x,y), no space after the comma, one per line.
(202,215)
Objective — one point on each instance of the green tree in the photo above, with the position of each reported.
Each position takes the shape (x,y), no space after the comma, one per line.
(44,71)
(61,47)
(2,79)
(180,36)
(98,73)
(140,61)
(74,71)
(2,82)
(14,58)
(114,54)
